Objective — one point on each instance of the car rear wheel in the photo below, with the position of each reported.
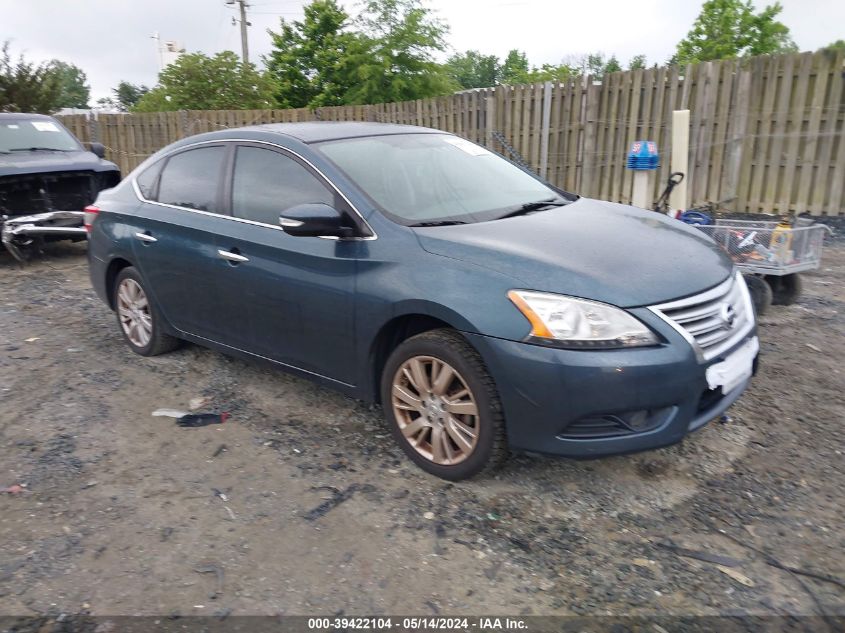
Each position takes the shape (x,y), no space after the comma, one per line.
(138,317)
(443,407)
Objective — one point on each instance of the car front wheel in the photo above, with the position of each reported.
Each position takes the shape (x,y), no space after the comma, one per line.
(443,407)
(138,316)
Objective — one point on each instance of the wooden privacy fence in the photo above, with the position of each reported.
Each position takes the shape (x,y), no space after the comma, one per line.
(766,134)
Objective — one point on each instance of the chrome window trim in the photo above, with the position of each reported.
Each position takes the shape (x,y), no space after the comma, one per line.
(141,197)
(709,295)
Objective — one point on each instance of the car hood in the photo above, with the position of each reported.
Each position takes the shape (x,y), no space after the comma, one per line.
(591,249)
(21,163)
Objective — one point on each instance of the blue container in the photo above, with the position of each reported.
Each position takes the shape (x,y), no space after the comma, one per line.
(643,156)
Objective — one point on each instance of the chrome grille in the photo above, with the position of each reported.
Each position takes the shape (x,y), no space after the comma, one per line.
(713,321)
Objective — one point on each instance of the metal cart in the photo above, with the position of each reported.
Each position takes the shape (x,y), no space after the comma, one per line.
(771,255)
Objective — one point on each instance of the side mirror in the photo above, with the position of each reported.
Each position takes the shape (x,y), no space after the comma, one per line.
(315,220)
(98,149)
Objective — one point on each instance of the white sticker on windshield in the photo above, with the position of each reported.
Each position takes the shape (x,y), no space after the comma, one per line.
(45,126)
(470,148)
(13,126)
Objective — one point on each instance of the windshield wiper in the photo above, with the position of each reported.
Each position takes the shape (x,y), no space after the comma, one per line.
(439,223)
(529,207)
(38,149)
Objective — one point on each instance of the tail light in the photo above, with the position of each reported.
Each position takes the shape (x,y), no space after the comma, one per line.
(91,212)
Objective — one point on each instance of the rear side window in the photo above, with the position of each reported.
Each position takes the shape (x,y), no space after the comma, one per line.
(190,179)
(266,183)
(147,179)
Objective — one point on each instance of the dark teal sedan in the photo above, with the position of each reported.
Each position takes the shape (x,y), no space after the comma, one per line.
(485,309)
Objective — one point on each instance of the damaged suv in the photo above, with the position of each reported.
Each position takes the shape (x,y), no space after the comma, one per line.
(46,179)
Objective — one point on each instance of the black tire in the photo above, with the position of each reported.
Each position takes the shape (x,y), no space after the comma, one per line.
(159,342)
(785,288)
(761,293)
(491,449)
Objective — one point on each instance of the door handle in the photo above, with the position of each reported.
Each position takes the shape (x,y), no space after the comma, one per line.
(145,237)
(232,257)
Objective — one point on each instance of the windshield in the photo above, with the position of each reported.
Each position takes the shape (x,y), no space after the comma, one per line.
(431,178)
(40,134)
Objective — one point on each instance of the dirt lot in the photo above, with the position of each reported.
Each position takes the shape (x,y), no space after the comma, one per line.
(120,513)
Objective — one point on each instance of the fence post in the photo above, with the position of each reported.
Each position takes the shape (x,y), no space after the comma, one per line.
(736,143)
(490,118)
(183,123)
(680,158)
(544,131)
(93,128)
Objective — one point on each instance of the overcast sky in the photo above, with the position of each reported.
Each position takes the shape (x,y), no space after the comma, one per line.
(110,39)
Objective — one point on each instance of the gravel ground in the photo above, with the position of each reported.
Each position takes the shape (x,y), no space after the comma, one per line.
(300,504)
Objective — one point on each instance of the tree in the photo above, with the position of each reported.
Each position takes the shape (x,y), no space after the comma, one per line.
(612,66)
(515,70)
(198,82)
(473,70)
(838,45)
(637,62)
(75,92)
(127,95)
(27,86)
(309,61)
(393,59)
(727,29)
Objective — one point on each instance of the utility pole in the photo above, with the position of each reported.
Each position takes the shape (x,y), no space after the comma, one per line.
(242,5)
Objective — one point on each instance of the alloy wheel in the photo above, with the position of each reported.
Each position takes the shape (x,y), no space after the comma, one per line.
(133,309)
(435,410)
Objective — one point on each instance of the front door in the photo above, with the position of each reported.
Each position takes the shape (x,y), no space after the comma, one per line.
(297,294)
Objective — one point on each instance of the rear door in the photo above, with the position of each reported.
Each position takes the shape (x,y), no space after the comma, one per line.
(175,237)
(296,293)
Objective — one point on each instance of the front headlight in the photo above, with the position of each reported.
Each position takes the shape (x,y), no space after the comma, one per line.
(578,323)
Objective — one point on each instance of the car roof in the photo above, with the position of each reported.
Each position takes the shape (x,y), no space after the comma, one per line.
(20,116)
(316,131)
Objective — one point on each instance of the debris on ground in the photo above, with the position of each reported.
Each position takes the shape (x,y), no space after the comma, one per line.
(707,557)
(194,420)
(199,402)
(220,493)
(739,577)
(14,489)
(337,498)
(220,449)
(217,570)
(170,413)
(186,419)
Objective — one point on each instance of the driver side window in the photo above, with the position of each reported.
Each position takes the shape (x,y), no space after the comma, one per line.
(266,183)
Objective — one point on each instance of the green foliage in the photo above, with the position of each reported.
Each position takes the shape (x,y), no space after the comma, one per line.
(127,95)
(473,70)
(26,86)
(198,82)
(393,58)
(637,62)
(727,29)
(75,92)
(612,66)
(309,61)
(515,70)
(124,97)
(838,45)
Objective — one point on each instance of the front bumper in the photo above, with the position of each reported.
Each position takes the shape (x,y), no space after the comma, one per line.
(555,400)
(17,231)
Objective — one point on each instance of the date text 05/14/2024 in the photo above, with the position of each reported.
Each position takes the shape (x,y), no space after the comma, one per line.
(416,623)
